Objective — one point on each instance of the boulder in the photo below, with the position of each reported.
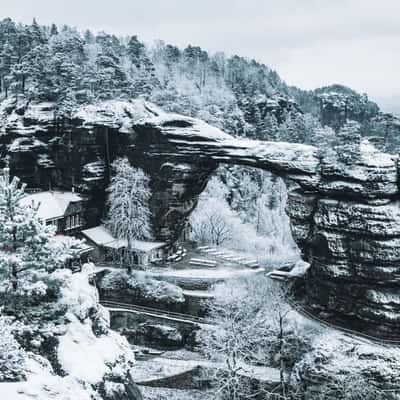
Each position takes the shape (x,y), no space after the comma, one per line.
(160,336)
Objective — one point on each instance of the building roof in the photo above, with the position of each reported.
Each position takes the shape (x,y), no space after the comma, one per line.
(61,239)
(146,246)
(52,205)
(101,236)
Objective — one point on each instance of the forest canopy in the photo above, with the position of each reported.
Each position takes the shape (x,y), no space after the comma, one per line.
(240,95)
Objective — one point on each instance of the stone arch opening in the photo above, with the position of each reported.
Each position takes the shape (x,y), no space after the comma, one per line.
(250,203)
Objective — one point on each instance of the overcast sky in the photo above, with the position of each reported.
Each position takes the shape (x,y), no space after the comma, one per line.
(310,43)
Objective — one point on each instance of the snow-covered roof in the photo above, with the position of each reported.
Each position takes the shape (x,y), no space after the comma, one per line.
(61,239)
(101,236)
(52,205)
(146,246)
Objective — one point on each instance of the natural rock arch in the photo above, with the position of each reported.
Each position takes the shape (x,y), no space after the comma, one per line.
(345,218)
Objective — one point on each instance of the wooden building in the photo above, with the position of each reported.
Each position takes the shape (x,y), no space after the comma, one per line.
(108,248)
(64,210)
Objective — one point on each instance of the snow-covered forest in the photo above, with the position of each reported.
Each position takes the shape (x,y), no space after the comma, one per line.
(241,96)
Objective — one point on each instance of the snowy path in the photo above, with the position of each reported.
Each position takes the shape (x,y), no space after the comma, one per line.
(348,332)
(219,273)
(205,294)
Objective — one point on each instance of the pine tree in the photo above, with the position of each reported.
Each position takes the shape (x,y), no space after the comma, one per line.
(111,80)
(89,37)
(136,51)
(7,59)
(26,250)
(324,139)
(384,132)
(348,141)
(21,65)
(143,74)
(258,122)
(172,55)
(67,103)
(12,356)
(23,237)
(271,128)
(53,30)
(294,128)
(37,34)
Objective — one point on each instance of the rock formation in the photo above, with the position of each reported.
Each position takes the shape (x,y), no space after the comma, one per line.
(345,218)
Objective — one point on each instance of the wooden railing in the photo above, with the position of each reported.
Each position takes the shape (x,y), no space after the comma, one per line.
(158,312)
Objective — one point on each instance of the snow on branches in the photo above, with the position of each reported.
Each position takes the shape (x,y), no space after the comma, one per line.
(129,216)
(25,241)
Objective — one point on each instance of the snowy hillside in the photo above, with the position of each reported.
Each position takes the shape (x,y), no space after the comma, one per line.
(87,359)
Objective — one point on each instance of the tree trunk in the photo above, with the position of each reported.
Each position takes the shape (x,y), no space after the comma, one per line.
(128,256)
(281,360)
(14,277)
(14,270)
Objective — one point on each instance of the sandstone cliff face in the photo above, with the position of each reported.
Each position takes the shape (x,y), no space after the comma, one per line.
(339,364)
(345,218)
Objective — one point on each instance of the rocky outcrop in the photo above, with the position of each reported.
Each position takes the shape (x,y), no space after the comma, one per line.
(339,103)
(338,364)
(156,331)
(139,289)
(345,218)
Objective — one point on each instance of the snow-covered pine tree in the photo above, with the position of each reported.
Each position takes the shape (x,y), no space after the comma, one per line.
(324,139)
(7,59)
(348,142)
(25,245)
(129,216)
(12,363)
(271,127)
(293,128)
(53,30)
(22,236)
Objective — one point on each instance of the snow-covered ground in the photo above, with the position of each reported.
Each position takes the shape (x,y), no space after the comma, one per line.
(43,385)
(85,357)
(161,367)
(150,393)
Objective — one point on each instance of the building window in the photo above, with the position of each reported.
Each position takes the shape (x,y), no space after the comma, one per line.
(73,221)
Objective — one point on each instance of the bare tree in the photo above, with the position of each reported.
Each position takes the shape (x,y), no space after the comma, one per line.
(353,386)
(253,328)
(213,222)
